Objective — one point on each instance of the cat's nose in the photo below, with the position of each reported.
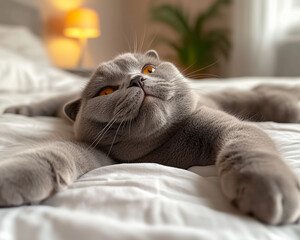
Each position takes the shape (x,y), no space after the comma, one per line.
(137,81)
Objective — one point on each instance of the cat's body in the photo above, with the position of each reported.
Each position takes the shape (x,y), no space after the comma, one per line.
(137,108)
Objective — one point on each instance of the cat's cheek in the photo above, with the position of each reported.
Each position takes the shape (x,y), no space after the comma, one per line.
(169,95)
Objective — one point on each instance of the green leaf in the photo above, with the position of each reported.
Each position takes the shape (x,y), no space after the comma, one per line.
(172,16)
(219,37)
(210,13)
(194,45)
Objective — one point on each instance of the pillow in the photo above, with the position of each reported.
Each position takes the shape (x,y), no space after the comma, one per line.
(19,75)
(21,41)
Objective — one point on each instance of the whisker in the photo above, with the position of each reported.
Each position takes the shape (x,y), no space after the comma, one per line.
(108,125)
(135,42)
(102,136)
(187,68)
(187,86)
(128,42)
(210,65)
(152,40)
(129,127)
(114,139)
(143,40)
(201,69)
(202,75)
(125,125)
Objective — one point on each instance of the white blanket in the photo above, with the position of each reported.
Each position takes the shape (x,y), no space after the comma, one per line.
(125,201)
(136,201)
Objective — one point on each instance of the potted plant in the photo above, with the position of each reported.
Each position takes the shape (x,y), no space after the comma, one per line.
(197,47)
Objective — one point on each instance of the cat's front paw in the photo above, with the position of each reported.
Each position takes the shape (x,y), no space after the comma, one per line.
(20,109)
(272,197)
(24,184)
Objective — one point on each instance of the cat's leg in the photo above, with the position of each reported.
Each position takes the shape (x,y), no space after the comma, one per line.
(291,90)
(38,173)
(259,104)
(250,168)
(48,107)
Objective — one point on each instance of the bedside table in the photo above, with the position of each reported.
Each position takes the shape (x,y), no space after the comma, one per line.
(82,72)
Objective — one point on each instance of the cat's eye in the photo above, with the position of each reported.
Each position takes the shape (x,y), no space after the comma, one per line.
(106,91)
(148,69)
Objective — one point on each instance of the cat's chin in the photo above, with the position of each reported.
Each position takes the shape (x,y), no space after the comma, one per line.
(153,115)
(149,105)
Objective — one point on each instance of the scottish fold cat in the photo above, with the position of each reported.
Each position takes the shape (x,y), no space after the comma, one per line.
(137,108)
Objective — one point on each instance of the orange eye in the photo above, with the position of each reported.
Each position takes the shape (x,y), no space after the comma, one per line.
(148,69)
(106,91)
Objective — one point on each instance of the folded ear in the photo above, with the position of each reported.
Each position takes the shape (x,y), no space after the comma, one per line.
(71,109)
(152,53)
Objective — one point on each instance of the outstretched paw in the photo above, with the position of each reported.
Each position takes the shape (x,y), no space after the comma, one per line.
(24,184)
(273,197)
(20,109)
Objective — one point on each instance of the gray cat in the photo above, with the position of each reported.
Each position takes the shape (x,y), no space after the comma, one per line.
(137,108)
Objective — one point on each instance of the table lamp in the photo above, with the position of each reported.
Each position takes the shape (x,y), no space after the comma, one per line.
(82,23)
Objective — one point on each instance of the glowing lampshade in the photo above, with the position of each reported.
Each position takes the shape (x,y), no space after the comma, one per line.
(82,23)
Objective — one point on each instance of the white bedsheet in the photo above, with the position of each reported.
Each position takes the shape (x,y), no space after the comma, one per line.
(136,201)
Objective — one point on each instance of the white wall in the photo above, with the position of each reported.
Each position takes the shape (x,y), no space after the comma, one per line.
(123,23)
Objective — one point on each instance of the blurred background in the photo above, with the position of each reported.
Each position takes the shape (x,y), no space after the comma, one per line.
(223,38)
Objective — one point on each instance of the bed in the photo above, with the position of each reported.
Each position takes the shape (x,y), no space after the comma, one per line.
(124,201)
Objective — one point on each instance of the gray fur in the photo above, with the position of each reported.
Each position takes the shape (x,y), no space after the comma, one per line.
(49,107)
(161,119)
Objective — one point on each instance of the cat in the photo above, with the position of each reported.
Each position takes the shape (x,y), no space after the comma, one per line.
(138,108)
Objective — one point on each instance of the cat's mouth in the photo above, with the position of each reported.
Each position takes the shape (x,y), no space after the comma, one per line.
(148,96)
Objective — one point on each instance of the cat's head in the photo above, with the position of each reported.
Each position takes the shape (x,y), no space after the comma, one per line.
(132,97)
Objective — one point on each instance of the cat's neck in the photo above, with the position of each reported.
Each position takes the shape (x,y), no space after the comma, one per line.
(132,149)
